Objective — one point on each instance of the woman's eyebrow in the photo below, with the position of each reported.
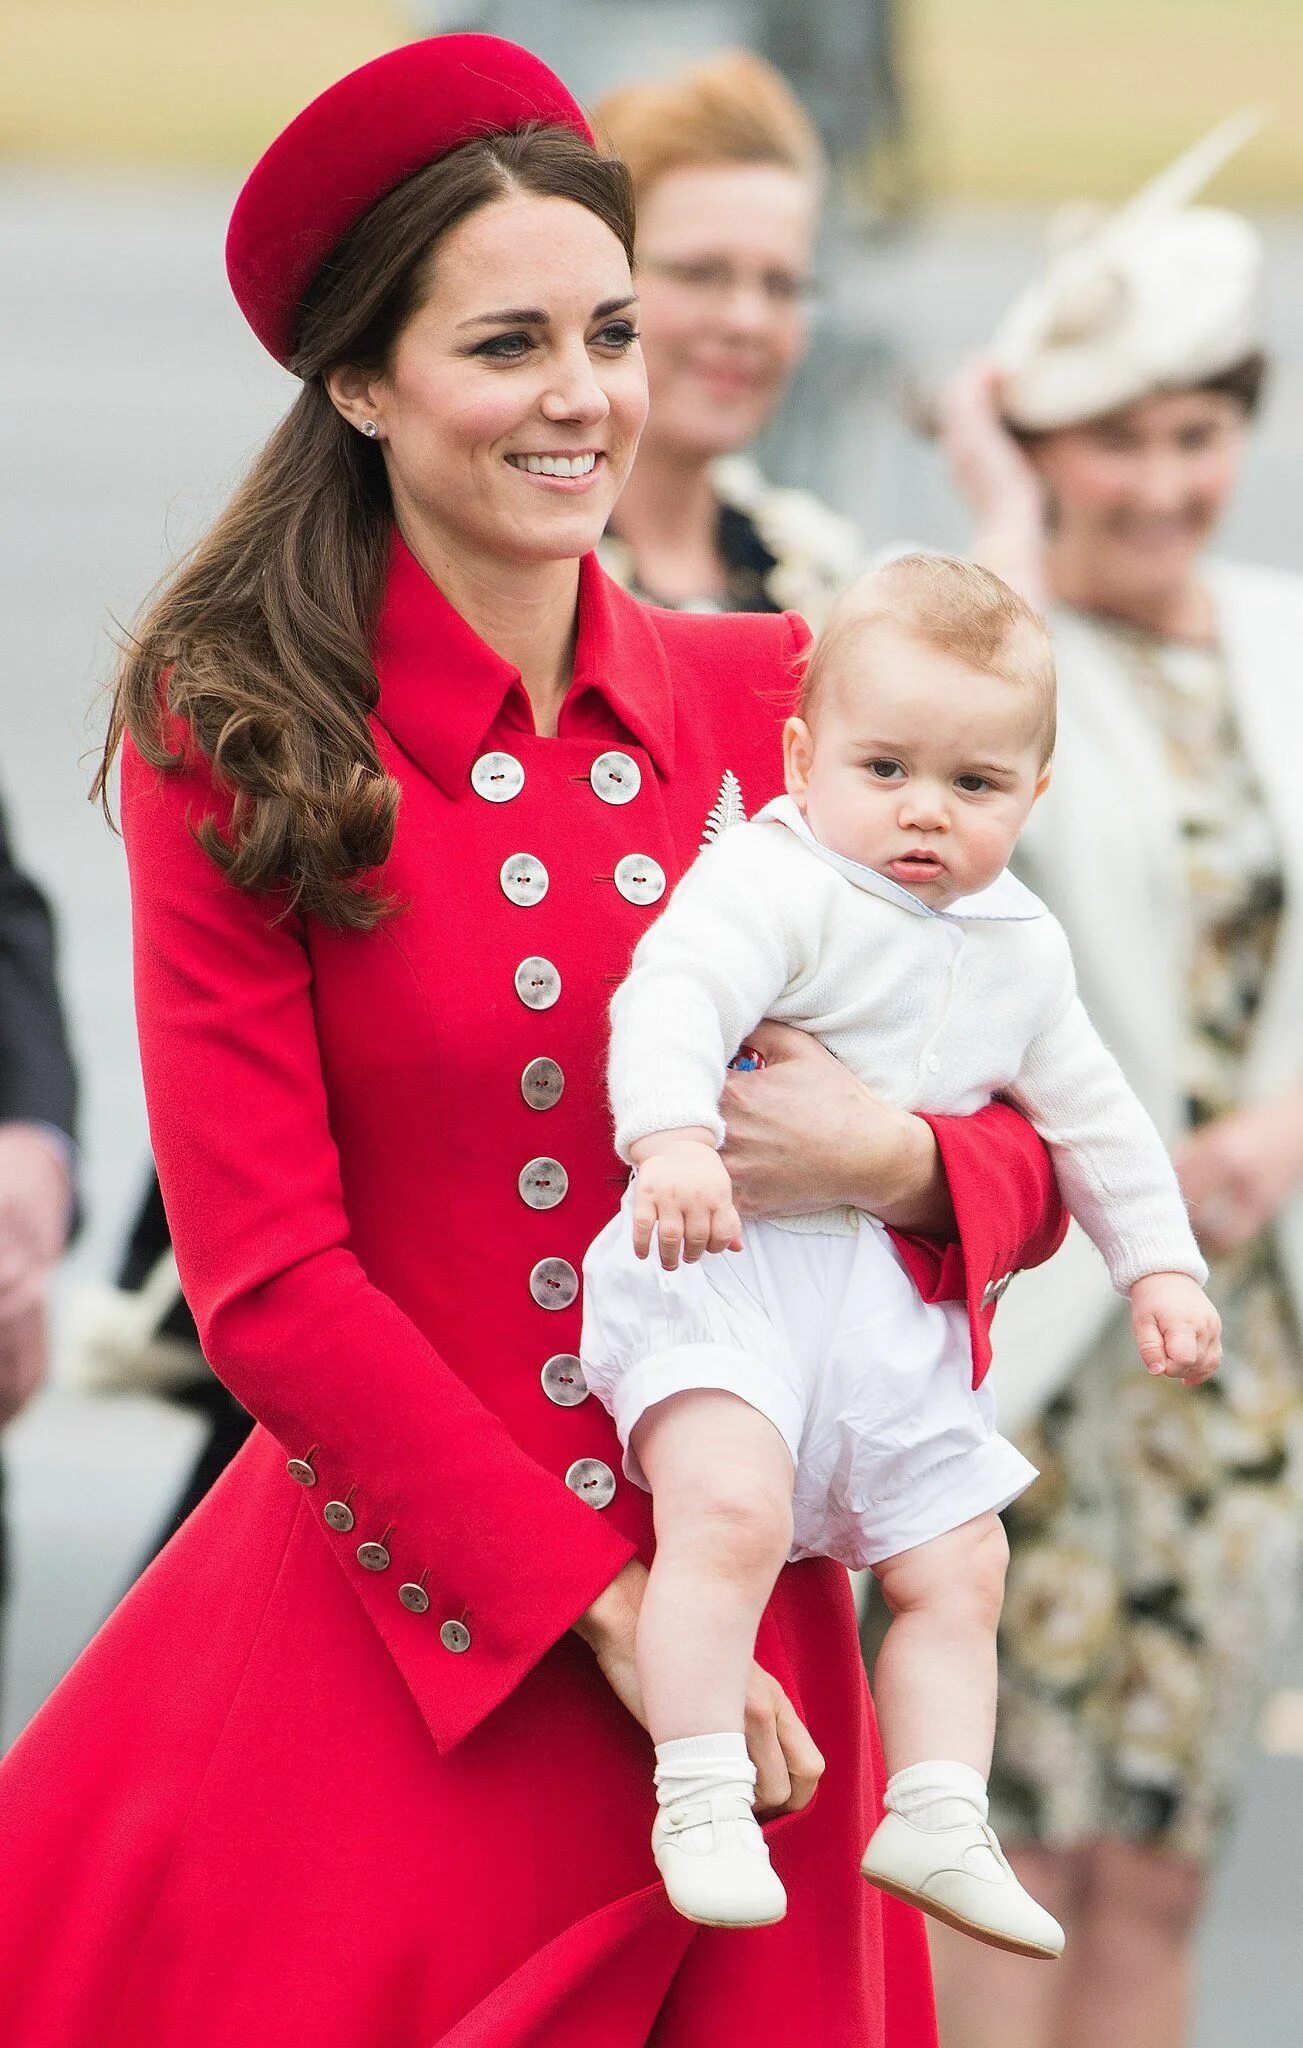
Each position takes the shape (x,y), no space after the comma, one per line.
(532,316)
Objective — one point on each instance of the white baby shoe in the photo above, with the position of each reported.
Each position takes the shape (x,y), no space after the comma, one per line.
(715,1861)
(960,1875)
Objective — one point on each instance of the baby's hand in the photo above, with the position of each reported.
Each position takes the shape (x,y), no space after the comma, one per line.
(1178,1330)
(684,1194)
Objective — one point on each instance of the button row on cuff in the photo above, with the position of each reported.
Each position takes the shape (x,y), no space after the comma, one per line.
(374,1556)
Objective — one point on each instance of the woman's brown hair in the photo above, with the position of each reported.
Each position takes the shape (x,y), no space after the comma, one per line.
(261,640)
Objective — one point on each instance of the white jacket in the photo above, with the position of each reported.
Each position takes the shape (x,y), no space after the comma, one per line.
(1103,848)
(930,1009)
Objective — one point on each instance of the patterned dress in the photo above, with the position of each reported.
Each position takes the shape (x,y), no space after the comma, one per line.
(782,549)
(1155,1566)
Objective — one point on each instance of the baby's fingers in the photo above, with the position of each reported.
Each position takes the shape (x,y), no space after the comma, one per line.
(669,1234)
(1149,1341)
(1209,1355)
(1181,1343)
(725,1230)
(644,1224)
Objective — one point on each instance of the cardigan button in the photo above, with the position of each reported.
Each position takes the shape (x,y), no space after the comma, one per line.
(640,879)
(554,1283)
(455,1636)
(593,1481)
(616,778)
(563,1380)
(497,778)
(543,1183)
(524,880)
(538,983)
(542,1083)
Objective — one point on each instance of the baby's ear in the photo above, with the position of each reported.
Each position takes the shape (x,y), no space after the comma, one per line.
(1043,780)
(798,752)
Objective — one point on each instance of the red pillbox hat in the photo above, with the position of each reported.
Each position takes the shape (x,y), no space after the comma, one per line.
(358,140)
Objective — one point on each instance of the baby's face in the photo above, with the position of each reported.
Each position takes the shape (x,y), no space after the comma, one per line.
(917,765)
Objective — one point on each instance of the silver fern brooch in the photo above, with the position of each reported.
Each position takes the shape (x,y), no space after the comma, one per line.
(727,810)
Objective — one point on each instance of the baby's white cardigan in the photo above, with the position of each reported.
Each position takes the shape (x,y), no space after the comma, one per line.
(931,1010)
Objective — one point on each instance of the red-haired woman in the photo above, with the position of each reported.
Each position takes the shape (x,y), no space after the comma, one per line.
(404,776)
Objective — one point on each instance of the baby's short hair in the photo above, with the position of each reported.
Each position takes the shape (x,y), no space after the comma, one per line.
(953,605)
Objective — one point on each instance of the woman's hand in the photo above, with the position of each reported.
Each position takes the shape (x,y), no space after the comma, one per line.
(788,1766)
(805,1135)
(1238,1172)
(995,479)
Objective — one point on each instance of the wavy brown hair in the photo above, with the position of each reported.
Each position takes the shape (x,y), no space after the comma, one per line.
(260,642)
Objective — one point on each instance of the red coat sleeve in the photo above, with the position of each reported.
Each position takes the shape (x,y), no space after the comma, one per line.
(286,1314)
(1008,1212)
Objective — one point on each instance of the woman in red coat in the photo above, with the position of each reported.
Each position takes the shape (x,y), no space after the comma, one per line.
(404,778)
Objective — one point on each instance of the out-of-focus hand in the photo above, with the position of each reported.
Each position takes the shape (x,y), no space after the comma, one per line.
(1238,1172)
(24,1356)
(788,1765)
(995,479)
(1178,1331)
(805,1135)
(683,1197)
(35,1216)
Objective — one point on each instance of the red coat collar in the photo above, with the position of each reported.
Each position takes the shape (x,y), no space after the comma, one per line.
(442,687)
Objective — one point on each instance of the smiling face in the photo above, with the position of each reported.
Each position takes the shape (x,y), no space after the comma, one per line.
(1137,495)
(511,404)
(724,254)
(917,764)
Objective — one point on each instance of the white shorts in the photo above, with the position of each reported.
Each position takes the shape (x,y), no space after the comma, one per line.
(870,1386)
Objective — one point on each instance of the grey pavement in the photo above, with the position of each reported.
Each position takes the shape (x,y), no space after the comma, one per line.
(132,397)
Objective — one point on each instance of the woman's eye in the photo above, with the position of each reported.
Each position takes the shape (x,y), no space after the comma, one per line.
(619,334)
(506,348)
(885,771)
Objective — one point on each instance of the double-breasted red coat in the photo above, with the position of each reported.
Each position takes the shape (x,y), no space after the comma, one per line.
(336,1770)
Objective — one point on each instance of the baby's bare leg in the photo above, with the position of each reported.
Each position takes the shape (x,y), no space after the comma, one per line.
(721,1479)
(934,1683)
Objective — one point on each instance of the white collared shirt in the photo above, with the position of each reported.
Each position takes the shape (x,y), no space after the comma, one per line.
(936,1010)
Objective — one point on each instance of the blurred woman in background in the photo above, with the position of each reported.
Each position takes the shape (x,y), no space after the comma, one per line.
(1155,1565)
(728,174)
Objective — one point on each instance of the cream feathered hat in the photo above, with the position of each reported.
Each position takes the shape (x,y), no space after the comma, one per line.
(1158,295)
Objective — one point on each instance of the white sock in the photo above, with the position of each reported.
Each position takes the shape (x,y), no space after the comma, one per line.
(938,1794)
(698,1764)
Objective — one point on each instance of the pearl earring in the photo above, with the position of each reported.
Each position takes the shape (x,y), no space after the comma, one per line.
(370,429)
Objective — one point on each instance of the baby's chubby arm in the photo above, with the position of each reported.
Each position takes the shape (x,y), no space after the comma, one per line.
(1116,1178)
(683,1196)
(703,975)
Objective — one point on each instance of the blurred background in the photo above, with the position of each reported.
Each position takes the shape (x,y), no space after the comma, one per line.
(132,395)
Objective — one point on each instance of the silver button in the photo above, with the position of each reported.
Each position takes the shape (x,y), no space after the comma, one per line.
(543,1183)
(497,778)
(640,879)
(524,879)
(615,778)
(455,1636)
(301,1472)
(541,1084)
(994,1290)
(563,1380)
(554,1283)
(538,984)
(414,1598)
(337,1514)
(373,1557)
(592,1481)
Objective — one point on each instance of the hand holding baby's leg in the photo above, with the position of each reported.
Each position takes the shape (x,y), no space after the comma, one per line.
(935,1689)
(721,1480)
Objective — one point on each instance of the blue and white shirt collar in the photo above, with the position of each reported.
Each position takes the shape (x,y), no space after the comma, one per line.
(1006,899)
